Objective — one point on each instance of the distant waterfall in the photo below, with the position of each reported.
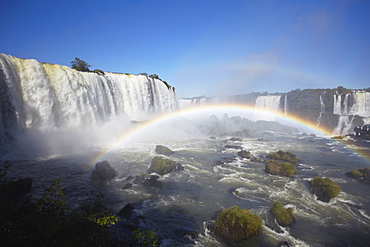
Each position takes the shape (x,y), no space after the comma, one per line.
(322,110)
(354,103)
(286,104)
(50,96)
(268,102)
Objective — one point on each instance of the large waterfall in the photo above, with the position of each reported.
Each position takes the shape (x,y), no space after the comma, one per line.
(356,103)
(269,102)
(51,97)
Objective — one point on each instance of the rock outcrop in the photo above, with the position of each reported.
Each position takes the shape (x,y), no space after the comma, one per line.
(103,171)
(163,150)
(235,224)
(163,166)
(324,188)
(276,168)
(283,216)
(362,174)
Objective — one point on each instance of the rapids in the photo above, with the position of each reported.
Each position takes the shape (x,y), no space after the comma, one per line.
(214,178)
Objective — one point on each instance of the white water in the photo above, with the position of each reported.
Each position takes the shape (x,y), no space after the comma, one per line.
(354,103)
(50,97)
(322,110)
(268,102)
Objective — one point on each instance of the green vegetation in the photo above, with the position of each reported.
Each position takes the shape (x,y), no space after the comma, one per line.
(283,216)
(324,188)
(235,224)
(285,156)
(276,168)
(80,65)
(48,221)
(362,174)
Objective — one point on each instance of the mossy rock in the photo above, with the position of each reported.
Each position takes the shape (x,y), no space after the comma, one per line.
(362,174)
(283,216)
(244,154)
(161,165)
(276,168)
(235,224)
(285,156)
(163,150)
(324,188)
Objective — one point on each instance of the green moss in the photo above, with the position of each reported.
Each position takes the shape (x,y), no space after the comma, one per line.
(282,215)
(236,224)
(356,174)
(285,156)
(324,188)
(286,169)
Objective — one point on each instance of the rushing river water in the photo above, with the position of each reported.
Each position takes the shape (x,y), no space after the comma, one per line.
(215,178)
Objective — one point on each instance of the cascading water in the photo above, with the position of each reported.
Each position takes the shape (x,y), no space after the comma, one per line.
(269,102)
(354,103)
(322,110)
(50,97)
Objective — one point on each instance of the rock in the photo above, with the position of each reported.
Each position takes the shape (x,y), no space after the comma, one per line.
(233,146)
(162,166)
(235,224)
(163,150)
(244,154)
(153,182)
(127,186)
(103,171)
(16,188)
(235,139)
(283,216)
(362,174)
(285,243)
(285,156)
(192,234)
(324,188)
(276,168)
(139,179)
(126,211)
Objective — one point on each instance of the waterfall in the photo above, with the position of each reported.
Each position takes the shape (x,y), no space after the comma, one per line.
(286,104)
(268,102)
(354,103)
(322,110)
(50,96)
(337,104)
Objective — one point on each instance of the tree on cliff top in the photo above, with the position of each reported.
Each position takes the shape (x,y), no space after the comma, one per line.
(80,65)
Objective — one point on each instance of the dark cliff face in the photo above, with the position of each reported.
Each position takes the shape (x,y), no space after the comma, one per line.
(307,105)
(313,105)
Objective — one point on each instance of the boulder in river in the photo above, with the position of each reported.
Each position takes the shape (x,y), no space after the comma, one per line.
(235,224)
(324,188)
(163,166)
(103,171)
(163,150)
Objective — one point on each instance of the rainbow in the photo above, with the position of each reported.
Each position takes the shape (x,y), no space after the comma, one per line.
(209,109)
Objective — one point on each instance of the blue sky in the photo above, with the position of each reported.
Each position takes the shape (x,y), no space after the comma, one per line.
(201,47)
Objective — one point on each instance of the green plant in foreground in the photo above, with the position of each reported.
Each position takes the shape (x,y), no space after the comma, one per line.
(49,222)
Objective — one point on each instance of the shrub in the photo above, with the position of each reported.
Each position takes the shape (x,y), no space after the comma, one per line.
(50,222)
(282,215)
(324,188)
(237,224)
(80,65)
